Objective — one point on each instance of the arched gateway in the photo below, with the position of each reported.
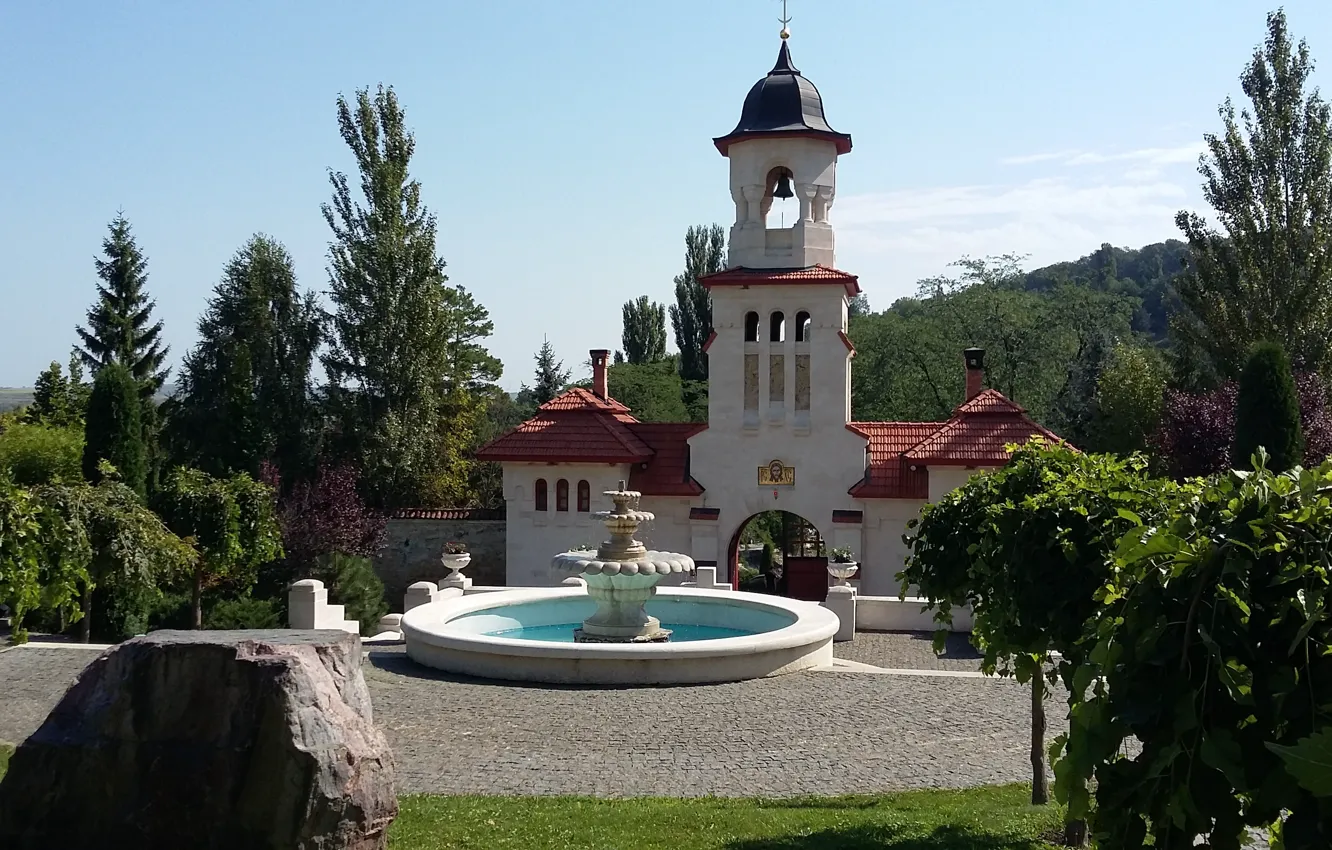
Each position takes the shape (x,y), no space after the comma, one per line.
(779,435)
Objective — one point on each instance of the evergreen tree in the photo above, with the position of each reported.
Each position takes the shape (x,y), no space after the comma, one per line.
(551,376)
(120,326)
(691,314)
(1267,274)
(644,335)
(245,393)
(56,399)
(114,430)
(1267,411)
(404,359)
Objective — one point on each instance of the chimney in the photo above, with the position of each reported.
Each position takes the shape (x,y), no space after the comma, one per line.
(599,357)
(975,360)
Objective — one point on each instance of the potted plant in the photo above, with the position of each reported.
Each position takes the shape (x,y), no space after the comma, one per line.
(455,557)
(583,547)
(841,564)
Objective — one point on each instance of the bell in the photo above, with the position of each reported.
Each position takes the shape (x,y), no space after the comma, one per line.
(783,189)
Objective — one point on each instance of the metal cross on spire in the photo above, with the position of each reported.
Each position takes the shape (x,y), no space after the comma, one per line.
(785,21)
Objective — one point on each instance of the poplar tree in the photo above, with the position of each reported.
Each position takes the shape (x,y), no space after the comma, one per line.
(644,335)
(1266,274)
(691,314)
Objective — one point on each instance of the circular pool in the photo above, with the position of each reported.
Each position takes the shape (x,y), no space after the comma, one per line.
(528,635)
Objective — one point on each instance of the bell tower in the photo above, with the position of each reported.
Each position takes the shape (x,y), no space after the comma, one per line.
(782,149)
(779,360)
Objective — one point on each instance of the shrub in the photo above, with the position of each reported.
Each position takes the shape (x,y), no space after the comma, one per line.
(244,612)
(41,454)
(354,585)
(1267,411)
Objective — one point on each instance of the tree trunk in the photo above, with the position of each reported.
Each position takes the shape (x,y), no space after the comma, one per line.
(1040,788)
(1075,833)
(85,626)
(196,604)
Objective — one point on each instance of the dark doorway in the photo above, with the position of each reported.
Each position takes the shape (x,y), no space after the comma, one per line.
(781,553)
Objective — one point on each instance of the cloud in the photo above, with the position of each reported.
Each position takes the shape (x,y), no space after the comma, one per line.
(1076,201)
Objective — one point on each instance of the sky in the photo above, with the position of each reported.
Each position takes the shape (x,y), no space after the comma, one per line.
(566,147)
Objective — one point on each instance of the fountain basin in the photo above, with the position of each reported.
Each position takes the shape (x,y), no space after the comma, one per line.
(475,636)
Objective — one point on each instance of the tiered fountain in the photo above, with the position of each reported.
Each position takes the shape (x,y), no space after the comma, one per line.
(622,577)
(617,626)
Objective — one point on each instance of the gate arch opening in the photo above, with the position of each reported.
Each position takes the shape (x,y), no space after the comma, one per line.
(781,553)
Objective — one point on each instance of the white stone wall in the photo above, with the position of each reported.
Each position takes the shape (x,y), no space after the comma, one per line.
(669,532)
(534,537)
(945,479)
(885,522)
(809,240)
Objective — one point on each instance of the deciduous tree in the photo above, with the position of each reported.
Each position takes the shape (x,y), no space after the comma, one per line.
(644,335)
(691,314)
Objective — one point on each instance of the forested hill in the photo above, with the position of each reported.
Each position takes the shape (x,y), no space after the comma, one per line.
(1144,274)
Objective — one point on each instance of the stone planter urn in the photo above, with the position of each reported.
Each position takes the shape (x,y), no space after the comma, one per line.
(842,570)
(455,564)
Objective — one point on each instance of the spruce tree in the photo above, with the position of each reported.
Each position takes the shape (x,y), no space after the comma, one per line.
(245,394)
(691,314)
(644,335)
(113,430)
(120,326)
(551,376)
(1267,411)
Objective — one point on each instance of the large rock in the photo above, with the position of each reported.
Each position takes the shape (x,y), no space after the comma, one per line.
(246,739)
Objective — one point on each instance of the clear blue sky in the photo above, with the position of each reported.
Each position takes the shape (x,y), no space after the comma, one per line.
(566,146)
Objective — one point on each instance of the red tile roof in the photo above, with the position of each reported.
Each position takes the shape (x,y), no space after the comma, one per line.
(815,274)
(667,473)
(888,475)
(990,401)
(978,433)
(574,427)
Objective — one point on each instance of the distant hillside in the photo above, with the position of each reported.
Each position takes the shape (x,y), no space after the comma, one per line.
(1145,273)
(12,398)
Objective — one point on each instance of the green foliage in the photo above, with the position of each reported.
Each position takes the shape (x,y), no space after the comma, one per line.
(1211,645)
(41,454)
(1130,395)
(245,394)
(114,429)
(243,612)
(120,327)
(405,352)
(353,584)
(551,376)
(653,391)
(644,336)
(44,555)
(1267,411)
(691,314)
(232,523)
(1267,274)
(58,400)
(993,818)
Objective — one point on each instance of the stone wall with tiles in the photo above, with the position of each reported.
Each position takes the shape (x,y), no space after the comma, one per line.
(412,546)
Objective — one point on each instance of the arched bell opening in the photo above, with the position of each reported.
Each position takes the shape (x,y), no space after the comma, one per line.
(751,326)
(780,207)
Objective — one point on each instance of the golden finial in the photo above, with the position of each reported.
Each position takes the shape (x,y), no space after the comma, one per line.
(785,21)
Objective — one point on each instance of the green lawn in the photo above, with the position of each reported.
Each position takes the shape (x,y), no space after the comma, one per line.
(996,818)
(993,818)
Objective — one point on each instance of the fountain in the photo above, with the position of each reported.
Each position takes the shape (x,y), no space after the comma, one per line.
(622,577)
(617,626)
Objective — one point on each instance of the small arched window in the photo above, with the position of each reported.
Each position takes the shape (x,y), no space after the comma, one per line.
(562,495)
(751,326)
(541,494)
(802,326)
(584,497)
(777,329)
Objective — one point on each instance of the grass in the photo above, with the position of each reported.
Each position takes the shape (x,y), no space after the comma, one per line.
(993,818)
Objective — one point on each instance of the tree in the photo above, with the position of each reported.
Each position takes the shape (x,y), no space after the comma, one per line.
(1026,548)
(1267,411)
(120,326)
(114,430)
(1267,274)
(644,335)
(551,376)
(56,399)
(691,314)
(653,391)
(245,394)
(41,454)
(43,556)
(1130,394)
(858,306)
(232,523)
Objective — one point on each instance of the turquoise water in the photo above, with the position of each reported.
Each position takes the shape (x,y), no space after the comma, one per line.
(564,632)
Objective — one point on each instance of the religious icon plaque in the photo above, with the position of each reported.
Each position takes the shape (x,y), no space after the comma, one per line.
(776,475)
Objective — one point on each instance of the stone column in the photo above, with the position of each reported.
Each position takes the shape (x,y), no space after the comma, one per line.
(826,194)
(842,602)
(806,193)
(303,600)
(753,204)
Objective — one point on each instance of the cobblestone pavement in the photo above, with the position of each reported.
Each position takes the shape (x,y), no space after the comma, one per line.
(815,733)
(909,651)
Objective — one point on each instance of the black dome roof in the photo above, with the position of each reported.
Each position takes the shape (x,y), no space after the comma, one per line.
(783,103)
